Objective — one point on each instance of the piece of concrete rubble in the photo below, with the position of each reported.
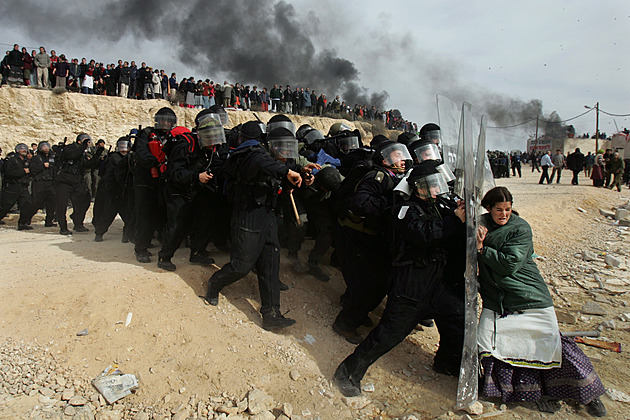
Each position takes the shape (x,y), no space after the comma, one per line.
(259,401)
(622,214)
(592,308)
(565,316)
(612,261)
(474,409)
(608,325)
(356,403)
(588,255)
(607,213)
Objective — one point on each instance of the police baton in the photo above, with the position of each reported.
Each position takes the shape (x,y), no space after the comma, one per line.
(295,210)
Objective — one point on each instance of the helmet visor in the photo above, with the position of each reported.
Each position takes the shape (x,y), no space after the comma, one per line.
(428,151)
(346,144)
(446,172)
(394,154)
(280,124)
(434,136)
(284,148)
(210,131)
(122,146)
(165,122)
(43,147)
(430,186)
(313,136)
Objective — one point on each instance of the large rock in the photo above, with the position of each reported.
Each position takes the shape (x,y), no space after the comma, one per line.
(607,213)
(356,403)
(622,214)
(565,316)
(265,415)
(592,308)
(109,415)
(259,401)
(612,261)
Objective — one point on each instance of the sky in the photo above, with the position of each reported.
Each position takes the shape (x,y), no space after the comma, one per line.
(510,60)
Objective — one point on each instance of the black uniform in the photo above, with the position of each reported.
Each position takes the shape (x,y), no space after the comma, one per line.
(253,182)
(427,282)
(149,209)
(188,201)
(362,247)
(110,199)
(15,188)
(70,183)
(43,186)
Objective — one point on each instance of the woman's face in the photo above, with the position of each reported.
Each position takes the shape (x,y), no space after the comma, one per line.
(501,212)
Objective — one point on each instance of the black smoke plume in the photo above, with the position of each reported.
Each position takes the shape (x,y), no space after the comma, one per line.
(264,41)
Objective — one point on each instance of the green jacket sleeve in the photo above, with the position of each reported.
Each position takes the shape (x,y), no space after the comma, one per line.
(507,260)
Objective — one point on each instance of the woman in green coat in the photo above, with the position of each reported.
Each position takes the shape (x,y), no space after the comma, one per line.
(523,355)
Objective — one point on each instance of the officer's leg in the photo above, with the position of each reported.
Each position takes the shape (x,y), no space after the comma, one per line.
(50,203)
(10,194)
(107,214)
(101,205)
(448,313)
(25,203)
(400,317)
(200,215)
(63,194)
(247,244)
(81,201)
(177,221)
(268,268)
(145,209)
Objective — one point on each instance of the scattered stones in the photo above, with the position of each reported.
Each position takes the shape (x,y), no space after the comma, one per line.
(356,403)
(83,333)
(565,316)
(259,401)
(69,410)
(474,409)
(265,415)
(109,415)
(622,214)
(287,409)
(47,392)
(503,407)
(77,400)
(588,255)
(607,213)
(612,260)
(367,387)
(615,395)
(607,325)
(625,317)
(294,375)
(67,394)
(181,415)
(592,308)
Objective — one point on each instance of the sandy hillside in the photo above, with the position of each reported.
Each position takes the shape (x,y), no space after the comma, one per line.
(32,115)
(197,361)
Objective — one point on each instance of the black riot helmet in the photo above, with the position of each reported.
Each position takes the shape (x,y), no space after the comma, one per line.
(21,149)
(299,134)
(426,181)
(280,121)
(165,119)
(43,147)
(84,139)
(311,136)
(393,156)
(210,131)
(431,132)
(221,112)
(378,140)
(407,138)
(282,144)
(422,150)
(348,141)
(123,145)
(336,128)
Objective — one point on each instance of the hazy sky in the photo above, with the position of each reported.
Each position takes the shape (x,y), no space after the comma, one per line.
(566,54)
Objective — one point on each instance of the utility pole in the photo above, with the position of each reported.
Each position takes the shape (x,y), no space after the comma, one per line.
(596,127)
(536,137)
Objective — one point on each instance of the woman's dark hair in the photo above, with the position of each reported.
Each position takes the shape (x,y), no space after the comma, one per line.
(494,196)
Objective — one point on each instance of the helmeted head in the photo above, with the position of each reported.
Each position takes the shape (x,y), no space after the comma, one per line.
(393,156)
(221,112)
(43,147)
(426,181)
(282,144)
(377,140)
(310,136)
(347,141)
(407,138)
(85,140)
(165,119)
(123,145)
(422,150)
(431,132)
(210,131)
(280,121)
(338,127)
(21,149)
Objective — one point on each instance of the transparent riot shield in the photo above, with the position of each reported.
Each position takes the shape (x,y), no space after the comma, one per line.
(468,375)
(448,119)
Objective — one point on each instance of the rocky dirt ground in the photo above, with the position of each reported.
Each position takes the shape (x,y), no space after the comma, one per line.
(197,361)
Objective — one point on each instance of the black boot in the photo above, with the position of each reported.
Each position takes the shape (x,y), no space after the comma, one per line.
(166,264)
(274,320)
(81,228)
(24,227)
(596,408)
(345,384)
(316,271)
(63,231)
(351,336)
(212,295)
(98,238)
(201,259)
(143,257)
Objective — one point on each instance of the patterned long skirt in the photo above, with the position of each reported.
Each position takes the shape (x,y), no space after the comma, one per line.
(576,379)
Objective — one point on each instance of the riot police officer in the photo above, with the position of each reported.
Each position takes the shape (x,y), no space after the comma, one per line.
(426,280)
(70,182)
(42,167)
(254,179)
(15,186)
(148,176)
(188,189)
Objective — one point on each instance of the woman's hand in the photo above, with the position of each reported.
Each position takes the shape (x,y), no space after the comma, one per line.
(482,231)
(460,211)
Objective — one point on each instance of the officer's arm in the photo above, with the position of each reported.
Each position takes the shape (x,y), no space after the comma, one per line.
(36,165)
(422,231)
(14,170)
(369,198)
(178,171)
(144,158)
(95,160)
